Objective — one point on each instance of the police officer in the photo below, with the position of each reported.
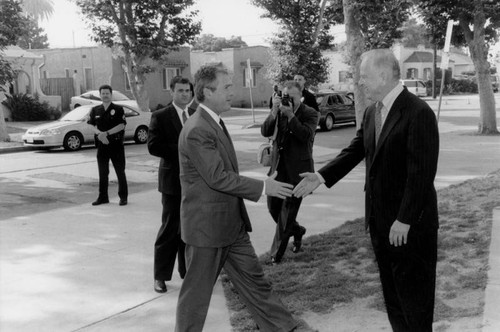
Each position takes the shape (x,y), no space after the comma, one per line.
(108,123)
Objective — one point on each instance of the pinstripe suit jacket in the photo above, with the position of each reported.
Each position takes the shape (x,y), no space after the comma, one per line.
(400,170)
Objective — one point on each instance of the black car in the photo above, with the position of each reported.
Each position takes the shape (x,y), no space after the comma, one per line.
(335,107)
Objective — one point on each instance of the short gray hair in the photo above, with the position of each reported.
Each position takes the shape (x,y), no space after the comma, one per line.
(383,58)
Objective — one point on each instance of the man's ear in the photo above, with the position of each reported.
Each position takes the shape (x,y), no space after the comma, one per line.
(207,92)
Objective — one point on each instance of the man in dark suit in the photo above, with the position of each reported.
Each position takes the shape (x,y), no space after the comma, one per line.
(108,124)
(164,129)
(308,98)
(399,140)
(214,220)
(292,154)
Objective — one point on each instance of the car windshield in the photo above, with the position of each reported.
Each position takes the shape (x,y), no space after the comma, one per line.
(117,96)
(77,114)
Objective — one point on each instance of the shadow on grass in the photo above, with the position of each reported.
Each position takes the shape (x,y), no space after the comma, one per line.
(338,266)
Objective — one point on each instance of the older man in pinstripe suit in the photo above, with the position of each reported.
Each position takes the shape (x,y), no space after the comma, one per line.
(400,142)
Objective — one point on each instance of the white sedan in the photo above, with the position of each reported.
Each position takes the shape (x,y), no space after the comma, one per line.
(72,130)
(93,97)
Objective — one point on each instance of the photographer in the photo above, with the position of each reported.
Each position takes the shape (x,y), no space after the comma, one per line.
(291,155)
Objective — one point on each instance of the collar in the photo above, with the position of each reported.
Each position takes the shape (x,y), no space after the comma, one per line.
(389,98)
(180,111)
(214,115)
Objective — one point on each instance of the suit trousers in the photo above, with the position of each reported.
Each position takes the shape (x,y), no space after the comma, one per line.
(168,242)
(245,271)
(408,277)
(284,213)
(116,152)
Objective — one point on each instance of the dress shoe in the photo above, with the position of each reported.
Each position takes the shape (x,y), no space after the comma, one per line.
(100,201)
(123,202)
(297,243)
(160,286)
(274,261)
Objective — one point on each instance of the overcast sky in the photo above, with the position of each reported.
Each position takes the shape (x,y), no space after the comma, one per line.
(223,18)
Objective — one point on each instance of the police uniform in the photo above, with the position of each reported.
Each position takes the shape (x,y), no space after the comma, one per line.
(106,120)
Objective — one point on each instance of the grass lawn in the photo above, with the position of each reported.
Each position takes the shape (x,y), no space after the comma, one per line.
(337,268)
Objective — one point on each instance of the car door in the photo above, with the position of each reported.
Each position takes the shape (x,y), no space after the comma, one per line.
(341,108)
(133,119)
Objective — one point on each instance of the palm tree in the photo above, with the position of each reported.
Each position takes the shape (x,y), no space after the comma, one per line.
(38,9)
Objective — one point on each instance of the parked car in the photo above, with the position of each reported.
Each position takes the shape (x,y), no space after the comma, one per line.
(72,130)
(495,83)
(417,87)
(335,107)
(93,97)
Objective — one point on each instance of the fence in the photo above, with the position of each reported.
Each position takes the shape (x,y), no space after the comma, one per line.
(61,86)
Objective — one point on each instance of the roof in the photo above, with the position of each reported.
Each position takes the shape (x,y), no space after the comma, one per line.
(419,56)
(17,52)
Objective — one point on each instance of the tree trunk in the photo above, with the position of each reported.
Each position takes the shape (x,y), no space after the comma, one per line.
(479,53)
(4,136)
(355,47)
(136,81)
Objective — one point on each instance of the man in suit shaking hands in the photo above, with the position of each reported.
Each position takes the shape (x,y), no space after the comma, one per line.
(399,141)
(164,129)
(214,220)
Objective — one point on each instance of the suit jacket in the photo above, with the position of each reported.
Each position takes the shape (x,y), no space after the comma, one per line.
(163,138)
(295,141)
(400,170)
(212,208)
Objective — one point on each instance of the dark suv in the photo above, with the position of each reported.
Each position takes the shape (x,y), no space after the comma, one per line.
(335,107)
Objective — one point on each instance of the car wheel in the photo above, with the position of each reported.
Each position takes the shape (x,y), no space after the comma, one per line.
(328,123)
(73,141)
(141,135)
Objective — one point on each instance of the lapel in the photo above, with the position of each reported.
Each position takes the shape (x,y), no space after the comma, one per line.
(225,140)
(193,107)
(176,122)
(392,118)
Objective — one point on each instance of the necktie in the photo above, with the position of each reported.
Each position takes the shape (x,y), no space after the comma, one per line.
(184,117)
(378,120)
(224,128)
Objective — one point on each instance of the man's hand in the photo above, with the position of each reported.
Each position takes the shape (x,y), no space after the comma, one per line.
(276,105)
(276,188)
(308,184)
(287,111)
(399,233)
(103,137)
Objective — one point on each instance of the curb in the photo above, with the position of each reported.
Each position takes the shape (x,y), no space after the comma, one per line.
(491,319)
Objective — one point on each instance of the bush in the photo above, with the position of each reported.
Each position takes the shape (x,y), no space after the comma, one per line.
(463,86)
(26,108)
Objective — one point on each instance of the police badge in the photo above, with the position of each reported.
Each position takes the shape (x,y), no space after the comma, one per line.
(112,112)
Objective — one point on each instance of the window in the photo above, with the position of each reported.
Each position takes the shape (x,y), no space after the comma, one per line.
(344,76)
(167,75)
(88,78)
(66,70)
(246,77)
(427,73)
(412,73)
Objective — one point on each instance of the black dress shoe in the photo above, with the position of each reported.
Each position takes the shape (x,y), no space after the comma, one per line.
(297,243)
(274,261)
(123,202)
(100,201)
(160,286)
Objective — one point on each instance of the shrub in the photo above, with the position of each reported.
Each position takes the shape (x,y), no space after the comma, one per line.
(26,108)
(463,86)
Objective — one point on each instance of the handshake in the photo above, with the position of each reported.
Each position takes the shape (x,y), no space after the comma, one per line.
(310,181)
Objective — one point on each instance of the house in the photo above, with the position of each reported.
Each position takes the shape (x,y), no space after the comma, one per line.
(415,63)
(26,64)
(245,79)
(87,68)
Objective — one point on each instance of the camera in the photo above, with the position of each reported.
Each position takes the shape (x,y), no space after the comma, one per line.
(286,100)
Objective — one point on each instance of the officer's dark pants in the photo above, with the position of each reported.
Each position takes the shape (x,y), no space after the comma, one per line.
(116,152)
